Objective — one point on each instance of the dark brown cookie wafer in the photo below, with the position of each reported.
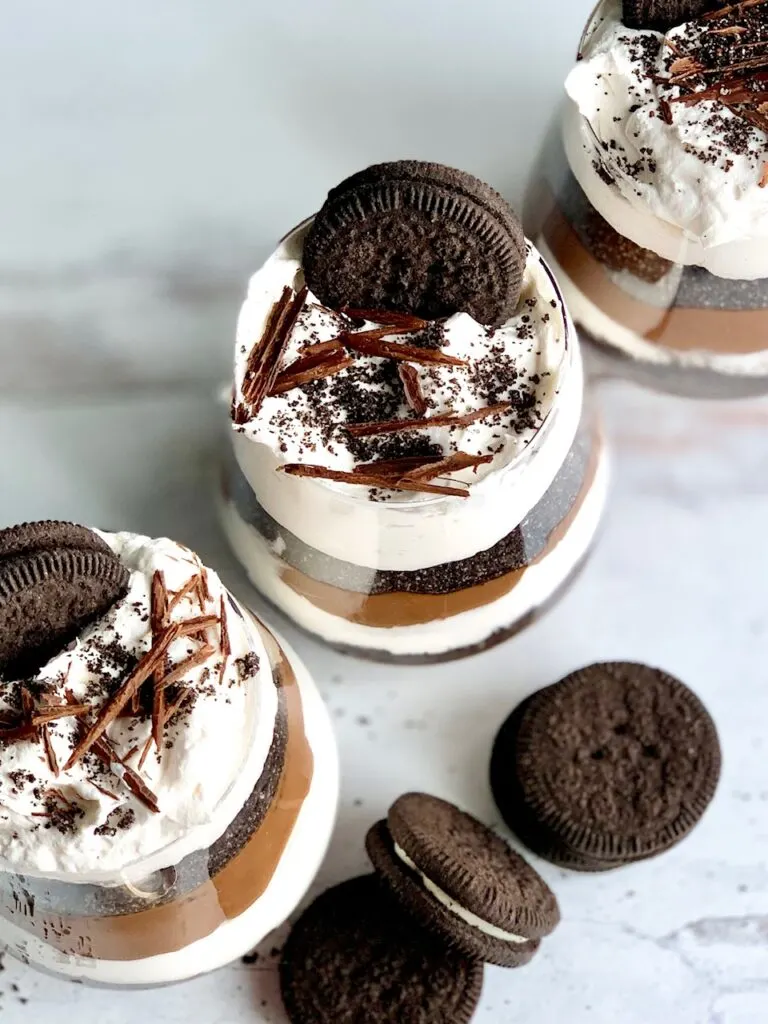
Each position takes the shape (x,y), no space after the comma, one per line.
(509,800)
(47,598)
(661,15)
(49,535)
(416,238)
(618,253)
(461,881)
(354,958)
(615,763)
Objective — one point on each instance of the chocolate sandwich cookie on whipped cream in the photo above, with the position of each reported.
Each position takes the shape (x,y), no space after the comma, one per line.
(658,225)
(168,774)
(413,474)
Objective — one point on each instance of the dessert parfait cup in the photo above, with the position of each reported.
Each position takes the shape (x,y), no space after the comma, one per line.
(657,232)
(101,887)
(418,578)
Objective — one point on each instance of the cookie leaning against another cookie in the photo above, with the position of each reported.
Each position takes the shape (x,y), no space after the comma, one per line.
(416,237)
(353,957)
(461,881)
(615,763)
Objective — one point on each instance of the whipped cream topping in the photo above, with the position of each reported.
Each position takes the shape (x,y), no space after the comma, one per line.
(85,823)
(521,362)
(701,173)
(456,908)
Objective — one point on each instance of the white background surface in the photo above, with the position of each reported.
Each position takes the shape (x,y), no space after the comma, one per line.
(679,580)
(151,153)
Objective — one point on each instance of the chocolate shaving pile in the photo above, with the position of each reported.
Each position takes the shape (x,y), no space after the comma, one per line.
(723,57)
(33,718)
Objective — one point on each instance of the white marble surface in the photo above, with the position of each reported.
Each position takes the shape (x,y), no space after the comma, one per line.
(153,152)
(679,579)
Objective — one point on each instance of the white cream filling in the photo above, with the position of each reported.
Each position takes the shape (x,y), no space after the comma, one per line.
(450,904)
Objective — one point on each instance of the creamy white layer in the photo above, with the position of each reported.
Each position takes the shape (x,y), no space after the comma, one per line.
(456,908)
(537,585)
(216,747)
(536,337)
(415,534)
(589,316)
(298,866)
(668,194)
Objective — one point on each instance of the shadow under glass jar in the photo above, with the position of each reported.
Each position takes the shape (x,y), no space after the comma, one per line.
(632,282)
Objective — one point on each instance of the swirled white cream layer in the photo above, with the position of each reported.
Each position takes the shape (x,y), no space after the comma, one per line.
(689,190)
(85,824)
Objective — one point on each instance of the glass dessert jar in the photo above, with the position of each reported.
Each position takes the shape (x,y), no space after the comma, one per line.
(174,839)
(511,500)
(654,206)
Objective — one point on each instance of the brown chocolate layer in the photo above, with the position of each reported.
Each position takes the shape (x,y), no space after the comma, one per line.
(243,876)
(410,609)
(518,549)
(727,331)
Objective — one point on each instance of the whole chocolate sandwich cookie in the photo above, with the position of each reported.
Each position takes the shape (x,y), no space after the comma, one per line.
(55,578)
(417,238)
(160,757)
(415,476)
(461,881)
(353,957)
(615,763)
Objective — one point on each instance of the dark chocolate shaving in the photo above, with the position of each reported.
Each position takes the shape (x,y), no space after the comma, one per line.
(388,318)
(289,380)
(409,375)
(370,480)
(267,354)
(452,464)
(371,343)
(442,420)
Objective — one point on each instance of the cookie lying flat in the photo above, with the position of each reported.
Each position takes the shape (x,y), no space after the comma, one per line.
(615,763)
(420,238)
(55,578)
(661,15)
(354,958)
(461,881)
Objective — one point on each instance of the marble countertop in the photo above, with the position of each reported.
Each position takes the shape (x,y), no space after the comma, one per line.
(679,579)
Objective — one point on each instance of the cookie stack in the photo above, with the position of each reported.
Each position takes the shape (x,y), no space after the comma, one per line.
(409,942)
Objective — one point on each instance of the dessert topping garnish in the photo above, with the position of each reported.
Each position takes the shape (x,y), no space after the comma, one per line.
(371,480)
(442,420)
(371,343)
(726,61)
(414,396)
(389,317)
(451,464)
(267,354)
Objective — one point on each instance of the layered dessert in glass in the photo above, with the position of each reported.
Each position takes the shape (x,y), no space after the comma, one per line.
(657,226)
(410,487)
(168,777)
